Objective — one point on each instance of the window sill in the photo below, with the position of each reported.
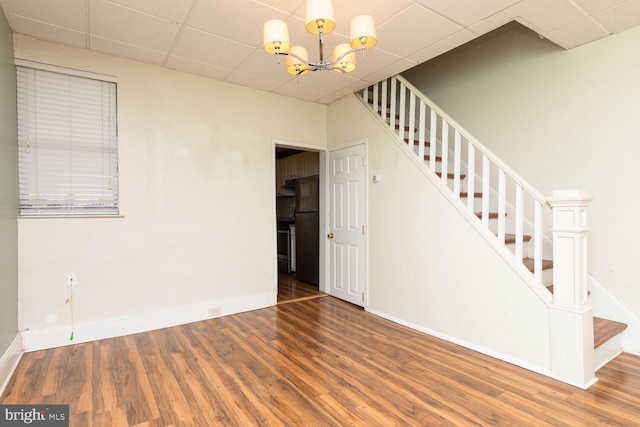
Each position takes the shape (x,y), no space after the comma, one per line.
(68,216)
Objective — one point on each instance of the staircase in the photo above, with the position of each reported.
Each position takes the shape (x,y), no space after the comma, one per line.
(511,209)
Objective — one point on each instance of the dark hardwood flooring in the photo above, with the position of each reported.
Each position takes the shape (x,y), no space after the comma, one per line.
(314,362)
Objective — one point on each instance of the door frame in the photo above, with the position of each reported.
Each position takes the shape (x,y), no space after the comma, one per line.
(365,209)
(323,212)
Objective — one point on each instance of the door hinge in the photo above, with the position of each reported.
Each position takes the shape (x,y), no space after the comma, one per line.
(364,162)
(363,230)
(363,297)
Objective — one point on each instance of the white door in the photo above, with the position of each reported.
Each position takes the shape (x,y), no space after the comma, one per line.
(347,214)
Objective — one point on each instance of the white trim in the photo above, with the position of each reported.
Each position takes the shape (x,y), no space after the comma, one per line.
(39,339)
(604,304)
(64,70)
(324,203)
(9,361)
(471,346)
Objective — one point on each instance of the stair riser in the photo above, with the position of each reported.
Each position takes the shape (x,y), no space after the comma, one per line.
(608,351)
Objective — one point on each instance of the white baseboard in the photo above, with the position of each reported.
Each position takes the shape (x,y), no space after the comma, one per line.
(497,355)
(40,339)
(9,361)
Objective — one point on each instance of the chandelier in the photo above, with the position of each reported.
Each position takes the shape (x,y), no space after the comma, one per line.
(320,21)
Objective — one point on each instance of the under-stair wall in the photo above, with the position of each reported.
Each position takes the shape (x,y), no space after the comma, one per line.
(562,119)
(433,268)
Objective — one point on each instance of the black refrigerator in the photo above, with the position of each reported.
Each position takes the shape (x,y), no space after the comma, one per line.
(307,229)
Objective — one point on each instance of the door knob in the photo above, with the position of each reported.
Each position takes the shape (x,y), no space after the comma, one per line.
(330,235)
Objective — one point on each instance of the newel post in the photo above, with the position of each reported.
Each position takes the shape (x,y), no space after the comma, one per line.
(570,248)
(571,318)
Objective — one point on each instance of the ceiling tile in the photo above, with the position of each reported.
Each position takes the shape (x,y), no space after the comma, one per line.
(595,6)
(345,11)
(334,96)
(297,92)
(391,70)
(577,33)
(48,32)
(374,59)
(252,81)
(496,20)
(124,50)
(548,15)
(70,14)
(221,39)
(457,39)
(239,20)
(212,50)
(134,28)
(172,10)
(287,6)
(381,12)
(198,68)
(265,66)
(620,18)
(468,13)
(420,28)
(323,81)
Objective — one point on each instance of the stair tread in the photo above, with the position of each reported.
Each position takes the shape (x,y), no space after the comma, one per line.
(511,238)
(426,143)
(604,330)
(492,215)
(546,264)
(450,175)
(464,195)
(406,128)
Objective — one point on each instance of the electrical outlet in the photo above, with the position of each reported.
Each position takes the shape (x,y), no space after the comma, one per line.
(72,280)
(214,311)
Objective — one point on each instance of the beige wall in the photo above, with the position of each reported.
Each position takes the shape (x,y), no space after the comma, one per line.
(561,119)
(196,165)
(8,191)
(428,266)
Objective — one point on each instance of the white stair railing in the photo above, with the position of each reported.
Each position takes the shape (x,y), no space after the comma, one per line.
(462,161)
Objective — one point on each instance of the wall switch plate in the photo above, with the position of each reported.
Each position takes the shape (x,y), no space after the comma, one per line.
(214,311)
(72,280)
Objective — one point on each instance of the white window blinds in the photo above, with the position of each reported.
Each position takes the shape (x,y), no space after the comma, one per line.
(67,142)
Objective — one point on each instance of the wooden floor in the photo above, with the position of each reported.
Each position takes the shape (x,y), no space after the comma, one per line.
(314,362)
(291,289)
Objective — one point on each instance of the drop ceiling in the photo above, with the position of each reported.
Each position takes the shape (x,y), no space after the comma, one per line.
(222,39)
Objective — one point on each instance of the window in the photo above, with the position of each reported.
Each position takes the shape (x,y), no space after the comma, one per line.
(67,144)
